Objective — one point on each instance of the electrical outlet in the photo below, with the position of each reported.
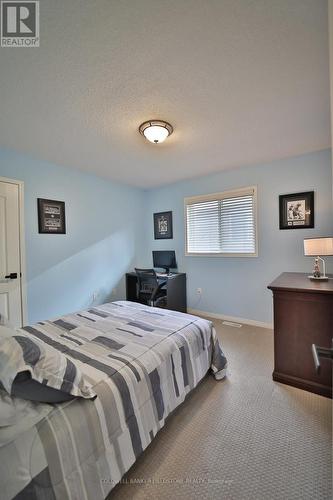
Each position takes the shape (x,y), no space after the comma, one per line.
(199,291)
(114,292)
(95,296)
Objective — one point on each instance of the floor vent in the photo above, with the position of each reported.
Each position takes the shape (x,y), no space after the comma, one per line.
(231,323)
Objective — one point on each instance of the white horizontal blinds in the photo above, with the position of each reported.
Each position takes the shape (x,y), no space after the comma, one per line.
(203,227)
(238,225)
(222,223)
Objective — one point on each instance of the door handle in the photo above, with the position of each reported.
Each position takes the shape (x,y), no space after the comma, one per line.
(12,276)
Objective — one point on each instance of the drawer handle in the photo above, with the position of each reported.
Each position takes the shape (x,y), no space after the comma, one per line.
(321,352)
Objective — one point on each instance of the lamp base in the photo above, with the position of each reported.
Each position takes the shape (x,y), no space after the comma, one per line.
(321,278)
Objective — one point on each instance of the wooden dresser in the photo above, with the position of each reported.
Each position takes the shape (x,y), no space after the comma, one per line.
(303,315)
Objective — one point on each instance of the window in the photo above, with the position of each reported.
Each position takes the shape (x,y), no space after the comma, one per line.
(222,223)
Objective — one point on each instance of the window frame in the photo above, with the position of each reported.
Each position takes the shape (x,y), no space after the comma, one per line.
(233,193)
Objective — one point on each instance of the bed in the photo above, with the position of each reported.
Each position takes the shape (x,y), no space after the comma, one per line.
(141,362)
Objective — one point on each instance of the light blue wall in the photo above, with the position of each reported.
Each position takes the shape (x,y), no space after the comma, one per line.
(110,230)
(237,286)
(103,237)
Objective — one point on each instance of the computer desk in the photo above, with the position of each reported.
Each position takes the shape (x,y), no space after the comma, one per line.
(175,289)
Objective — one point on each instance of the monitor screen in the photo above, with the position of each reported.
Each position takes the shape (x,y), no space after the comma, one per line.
(165,259)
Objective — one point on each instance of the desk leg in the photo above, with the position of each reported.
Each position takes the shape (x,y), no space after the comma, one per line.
(176,294)
(131,288)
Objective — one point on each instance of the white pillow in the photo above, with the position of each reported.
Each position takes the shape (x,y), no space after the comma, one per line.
(5,331)
(21,353)
(13,410)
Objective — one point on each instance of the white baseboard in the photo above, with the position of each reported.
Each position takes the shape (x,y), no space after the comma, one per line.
(234,319)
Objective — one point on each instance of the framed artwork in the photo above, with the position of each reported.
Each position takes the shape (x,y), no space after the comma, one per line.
(163,226)
(51,216)
(297,210)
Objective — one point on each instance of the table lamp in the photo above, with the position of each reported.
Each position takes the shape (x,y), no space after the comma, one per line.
(315,247)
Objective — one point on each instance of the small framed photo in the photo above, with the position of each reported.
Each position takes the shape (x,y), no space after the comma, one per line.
(297,210)
(51,216)
(163,226)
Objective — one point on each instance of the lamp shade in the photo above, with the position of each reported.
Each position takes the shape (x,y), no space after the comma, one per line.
(318,246)
(156,131)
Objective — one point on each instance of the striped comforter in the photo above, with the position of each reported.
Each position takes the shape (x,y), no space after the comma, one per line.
(142,362)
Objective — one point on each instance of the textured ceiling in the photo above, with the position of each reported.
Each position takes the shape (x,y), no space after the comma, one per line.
(241,81)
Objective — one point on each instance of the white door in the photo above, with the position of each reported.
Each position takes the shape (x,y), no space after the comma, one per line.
(10,268)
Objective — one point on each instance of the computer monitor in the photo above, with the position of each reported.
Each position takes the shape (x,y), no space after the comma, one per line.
(165,259)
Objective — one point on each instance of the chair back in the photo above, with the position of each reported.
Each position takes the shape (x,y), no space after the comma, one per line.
(147,283)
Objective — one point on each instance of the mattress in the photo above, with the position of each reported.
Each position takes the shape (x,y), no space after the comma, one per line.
(142,362)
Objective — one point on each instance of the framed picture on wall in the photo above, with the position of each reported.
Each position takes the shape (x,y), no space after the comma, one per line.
(297,210)
(51,216)
(163,226)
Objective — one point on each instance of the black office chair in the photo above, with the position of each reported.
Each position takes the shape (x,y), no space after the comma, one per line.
(150,290)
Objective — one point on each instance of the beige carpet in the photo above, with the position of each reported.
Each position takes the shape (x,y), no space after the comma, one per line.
(246,437)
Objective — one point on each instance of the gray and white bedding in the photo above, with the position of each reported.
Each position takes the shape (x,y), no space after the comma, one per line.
(141,362)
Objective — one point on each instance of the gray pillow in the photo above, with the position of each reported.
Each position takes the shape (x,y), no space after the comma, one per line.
(26,388)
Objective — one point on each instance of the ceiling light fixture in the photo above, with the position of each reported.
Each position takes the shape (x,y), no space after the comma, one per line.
(156,131)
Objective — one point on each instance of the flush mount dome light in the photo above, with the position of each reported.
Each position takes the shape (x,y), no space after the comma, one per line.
(155,131)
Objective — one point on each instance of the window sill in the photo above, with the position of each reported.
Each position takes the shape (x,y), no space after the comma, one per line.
(234,255)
